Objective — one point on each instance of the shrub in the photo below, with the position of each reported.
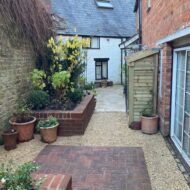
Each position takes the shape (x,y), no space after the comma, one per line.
(49,122)
(19,178)
(64,69)
(75,95)
(38,100)
(89,86)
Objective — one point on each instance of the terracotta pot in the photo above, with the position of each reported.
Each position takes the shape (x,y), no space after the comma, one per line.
(25,130)
(10,140)
(49,135)
(149,125)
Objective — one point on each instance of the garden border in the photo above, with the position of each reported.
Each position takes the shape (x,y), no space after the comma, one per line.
(72,122)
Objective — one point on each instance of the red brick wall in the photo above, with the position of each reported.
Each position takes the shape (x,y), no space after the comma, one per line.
(164,18)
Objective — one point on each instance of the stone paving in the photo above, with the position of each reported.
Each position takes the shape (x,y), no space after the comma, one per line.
(97,168)
(110,99)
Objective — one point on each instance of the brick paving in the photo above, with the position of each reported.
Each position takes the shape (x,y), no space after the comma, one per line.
(97,168)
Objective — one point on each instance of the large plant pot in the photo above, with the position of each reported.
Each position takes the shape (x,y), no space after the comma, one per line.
(25,130)
(10,140)
(49,135)
(149,125)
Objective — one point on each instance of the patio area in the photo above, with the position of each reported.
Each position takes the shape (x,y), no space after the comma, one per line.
(110,129)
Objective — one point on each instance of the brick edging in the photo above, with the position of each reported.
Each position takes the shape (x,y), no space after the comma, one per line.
(53,181)
(72,122)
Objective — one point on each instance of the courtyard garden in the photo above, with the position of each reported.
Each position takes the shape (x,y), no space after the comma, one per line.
(57,130)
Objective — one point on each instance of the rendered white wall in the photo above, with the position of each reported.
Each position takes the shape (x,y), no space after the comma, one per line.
(109,48)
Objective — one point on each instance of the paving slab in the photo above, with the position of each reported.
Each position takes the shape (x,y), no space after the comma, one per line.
(97,168)
(110,99)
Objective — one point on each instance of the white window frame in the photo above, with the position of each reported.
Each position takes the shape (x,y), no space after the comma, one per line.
(174,139)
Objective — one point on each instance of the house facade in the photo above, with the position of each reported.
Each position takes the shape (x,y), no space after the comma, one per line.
(106,23)
(166,25)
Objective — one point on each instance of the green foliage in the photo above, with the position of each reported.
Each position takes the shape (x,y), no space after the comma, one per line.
(60,79)
(89,86)
(18,178)
(47,123)
(23,112)
(65,66)
(75,95)
(38,79)
(38,100)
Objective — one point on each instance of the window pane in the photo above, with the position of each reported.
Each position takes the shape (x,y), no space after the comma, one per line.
(188,61)
(181,61)
(95,42)
(187,103)
(186,143)
(104,70)
(188,82)
(178,130)
(179,96)
(187,124)
(98,72)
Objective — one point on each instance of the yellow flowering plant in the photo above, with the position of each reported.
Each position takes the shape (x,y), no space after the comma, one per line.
(62,75)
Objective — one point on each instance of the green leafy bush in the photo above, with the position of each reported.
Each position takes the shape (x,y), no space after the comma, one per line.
(49,122)
(89,86)
(75,95)
(38,79)
(19,178)
(38,100)
(64,69)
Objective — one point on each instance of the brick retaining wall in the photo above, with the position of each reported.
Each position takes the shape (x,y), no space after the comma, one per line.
(72,122)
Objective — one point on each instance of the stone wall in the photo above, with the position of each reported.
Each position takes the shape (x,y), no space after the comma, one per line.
(16,62)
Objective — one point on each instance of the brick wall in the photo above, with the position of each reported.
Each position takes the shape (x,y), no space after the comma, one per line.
(16,62)
(163,19)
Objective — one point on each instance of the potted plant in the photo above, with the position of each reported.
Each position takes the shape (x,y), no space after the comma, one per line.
(23,122)
(48,129)
(149,121)
(10,136)
(12,177)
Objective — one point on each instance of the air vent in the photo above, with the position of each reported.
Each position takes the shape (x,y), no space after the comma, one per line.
(104,4)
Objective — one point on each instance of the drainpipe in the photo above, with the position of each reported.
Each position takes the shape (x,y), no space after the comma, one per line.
(140,24)
(121,66)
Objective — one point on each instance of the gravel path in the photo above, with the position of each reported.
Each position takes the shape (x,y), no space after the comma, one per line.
(110,129)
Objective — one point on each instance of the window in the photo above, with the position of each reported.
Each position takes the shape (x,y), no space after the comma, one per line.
(104,4)
(101,69)
(148,4)
(94,42)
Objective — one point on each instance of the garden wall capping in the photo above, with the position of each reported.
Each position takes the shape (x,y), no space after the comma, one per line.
(72,122)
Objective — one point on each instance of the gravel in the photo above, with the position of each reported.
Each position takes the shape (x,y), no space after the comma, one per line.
(111,129)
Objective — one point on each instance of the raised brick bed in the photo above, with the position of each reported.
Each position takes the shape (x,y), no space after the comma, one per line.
(54,182)
(72,122)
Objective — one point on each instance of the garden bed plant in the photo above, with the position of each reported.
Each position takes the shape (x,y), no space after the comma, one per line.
(18,178)
(59,83)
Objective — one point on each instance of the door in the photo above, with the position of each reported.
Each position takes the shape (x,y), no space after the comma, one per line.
(180,122)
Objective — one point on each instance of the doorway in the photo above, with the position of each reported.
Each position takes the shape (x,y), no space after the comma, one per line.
(180,120)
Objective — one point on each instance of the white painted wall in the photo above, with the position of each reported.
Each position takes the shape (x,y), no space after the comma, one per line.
(109,48)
